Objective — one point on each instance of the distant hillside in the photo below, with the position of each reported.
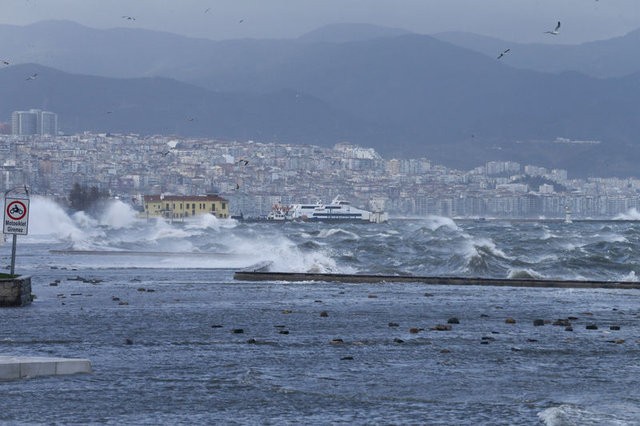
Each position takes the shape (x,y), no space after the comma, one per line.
(341,33)
(615,57)
(165,106)
(405,95)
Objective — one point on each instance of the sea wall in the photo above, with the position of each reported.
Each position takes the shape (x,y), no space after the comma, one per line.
(15,291)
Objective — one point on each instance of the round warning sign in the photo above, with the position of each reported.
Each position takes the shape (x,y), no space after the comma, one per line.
(16,210)
(16,216)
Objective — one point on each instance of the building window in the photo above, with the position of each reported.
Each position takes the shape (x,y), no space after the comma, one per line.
(223,206)
(213,207)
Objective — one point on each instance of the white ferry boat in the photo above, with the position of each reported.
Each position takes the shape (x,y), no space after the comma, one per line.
(337,210)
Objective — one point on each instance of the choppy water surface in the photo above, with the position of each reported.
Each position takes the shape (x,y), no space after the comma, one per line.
(161,320)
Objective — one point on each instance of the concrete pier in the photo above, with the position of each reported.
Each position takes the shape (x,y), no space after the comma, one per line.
(15,291)
(12,368)
(358,278)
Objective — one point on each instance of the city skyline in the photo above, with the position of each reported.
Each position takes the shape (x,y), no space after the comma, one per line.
(254,176)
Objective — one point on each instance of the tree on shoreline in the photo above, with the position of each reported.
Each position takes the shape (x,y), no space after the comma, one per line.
(83,198)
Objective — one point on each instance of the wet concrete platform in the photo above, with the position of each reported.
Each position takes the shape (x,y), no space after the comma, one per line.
(19,367)
(461,281)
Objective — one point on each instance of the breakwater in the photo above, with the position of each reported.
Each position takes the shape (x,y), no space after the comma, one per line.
(466,281)
(15,291)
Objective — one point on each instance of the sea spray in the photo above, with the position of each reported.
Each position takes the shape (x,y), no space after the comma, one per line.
(49,221)
(117,215)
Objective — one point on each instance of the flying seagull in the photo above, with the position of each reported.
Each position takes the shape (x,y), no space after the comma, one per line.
(5,62)
(243,161)
(32,76)
(207,10)
(504,52)
(128,18)
(555,31)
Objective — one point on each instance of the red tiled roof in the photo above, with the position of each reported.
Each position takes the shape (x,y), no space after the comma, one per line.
(185,198)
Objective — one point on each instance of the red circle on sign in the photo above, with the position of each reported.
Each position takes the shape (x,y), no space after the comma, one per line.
(16,210)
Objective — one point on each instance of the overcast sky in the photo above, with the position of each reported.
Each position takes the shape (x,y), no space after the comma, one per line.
(512,20)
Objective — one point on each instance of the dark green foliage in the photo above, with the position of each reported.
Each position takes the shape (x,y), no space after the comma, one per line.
(83,198)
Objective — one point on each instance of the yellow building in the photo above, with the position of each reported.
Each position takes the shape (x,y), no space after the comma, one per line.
(181,206)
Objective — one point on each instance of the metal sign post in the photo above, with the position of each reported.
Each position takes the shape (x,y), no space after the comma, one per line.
(16,218)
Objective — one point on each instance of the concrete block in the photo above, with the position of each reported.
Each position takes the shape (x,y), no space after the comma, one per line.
(12,368)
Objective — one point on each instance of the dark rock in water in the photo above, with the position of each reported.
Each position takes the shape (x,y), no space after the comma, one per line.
(614,327)
(453,320)
(414,330)
(428,295)
(337,341)
(279,326)
(538,322)
(568,328)
(317,301)
(484,342)
(286,311)
(591,327)
(150,290)
(396,340)
(324,314)
(128,341)
(252,341)
(562,322)
(372,296)
(532,340)
(515,349)
(484,316)
(346,358)
(216,326)
(488,338)
(53,284)
(572,318)
(509,321)
(142,289)
(237,330)
(445,351)
(394,324)
(283,331)
(441,327)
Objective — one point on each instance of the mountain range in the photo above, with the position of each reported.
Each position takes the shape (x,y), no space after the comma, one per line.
(445,97)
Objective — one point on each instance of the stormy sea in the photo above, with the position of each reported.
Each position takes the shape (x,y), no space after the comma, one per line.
(174,339)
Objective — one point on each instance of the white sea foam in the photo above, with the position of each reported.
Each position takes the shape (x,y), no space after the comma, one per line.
(525,273)
(632,214)
(327,233)
(49,222)
(209,221)
(572,415)
(436,222)
(117,215)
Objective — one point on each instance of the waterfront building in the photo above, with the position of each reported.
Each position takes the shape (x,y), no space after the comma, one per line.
(181,206)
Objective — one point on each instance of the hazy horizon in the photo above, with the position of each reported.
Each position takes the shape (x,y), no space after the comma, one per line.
(583,20)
